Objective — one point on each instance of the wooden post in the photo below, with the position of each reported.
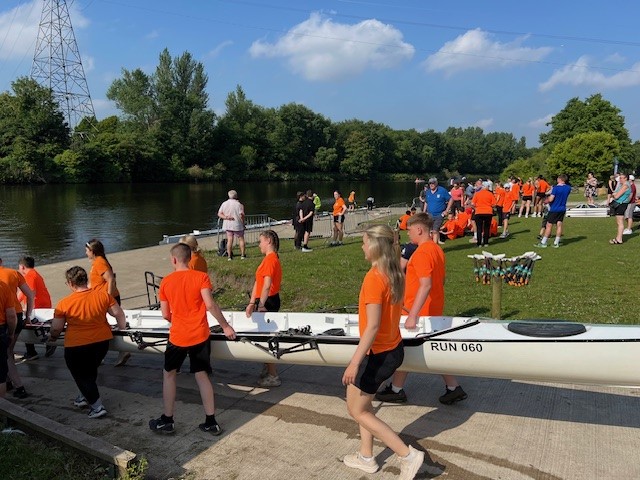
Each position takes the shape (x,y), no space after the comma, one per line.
(496,300)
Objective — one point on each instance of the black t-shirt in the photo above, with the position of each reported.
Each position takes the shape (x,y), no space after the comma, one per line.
(296,213)
(307,208)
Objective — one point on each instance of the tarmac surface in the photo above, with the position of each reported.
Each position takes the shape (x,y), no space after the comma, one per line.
(504,430)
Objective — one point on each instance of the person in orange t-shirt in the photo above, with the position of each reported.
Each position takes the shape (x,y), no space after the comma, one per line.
(424,295)
(185,298)
(265,294)
(451,229)
(16,282)
(402,221)
(542,187)
(483,202)
(509,205)
(499,193)
(87,335)
(339,209)
(8,322)
(527,196)
(41,299)
(379,352)
(463,219)
(197,261)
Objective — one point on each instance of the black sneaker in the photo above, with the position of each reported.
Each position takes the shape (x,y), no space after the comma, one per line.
(388,395)
(452,396)
(161,425)
(213,429)
(20,393)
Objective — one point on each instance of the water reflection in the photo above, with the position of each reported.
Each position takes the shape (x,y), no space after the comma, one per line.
(52,222)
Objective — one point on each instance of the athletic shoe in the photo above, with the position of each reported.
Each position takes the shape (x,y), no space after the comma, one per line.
(161,425)
(80,402)
(627,231)
(20,393)
(526,216)
(556,245)
(229,259)
(50,350)
(97,412)
(389,396)
(270,381)
(123,358)
(540,245)
(339,243)
(307,249)
(243,257)
(355,460)
(504,235)
(27,357)
(213,429)
(452,396)
(410,465)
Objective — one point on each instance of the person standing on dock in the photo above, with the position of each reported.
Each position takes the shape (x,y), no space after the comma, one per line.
(231,212)
(379,352)
(8,322)
(423,296)
(185,299)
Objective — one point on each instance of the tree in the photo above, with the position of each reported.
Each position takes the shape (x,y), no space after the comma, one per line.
(595,114)
(583,153)
(134,95)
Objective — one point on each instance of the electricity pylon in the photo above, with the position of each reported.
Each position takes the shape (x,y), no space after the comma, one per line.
(57,64)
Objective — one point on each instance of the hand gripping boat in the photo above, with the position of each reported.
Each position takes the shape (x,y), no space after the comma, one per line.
(537,350)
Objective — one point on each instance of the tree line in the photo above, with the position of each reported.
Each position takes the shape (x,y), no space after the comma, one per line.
(167,132)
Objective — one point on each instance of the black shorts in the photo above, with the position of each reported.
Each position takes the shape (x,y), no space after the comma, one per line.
(506,215)
(377,367)
(199,357)
(555,217)
(527,198)
(620,209)
(541,194)
(338,219)
(307,226)
(272,304)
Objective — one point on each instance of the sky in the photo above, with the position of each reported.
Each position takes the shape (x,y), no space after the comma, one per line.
(504,66)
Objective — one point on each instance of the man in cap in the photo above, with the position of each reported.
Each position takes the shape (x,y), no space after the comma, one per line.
(438,204)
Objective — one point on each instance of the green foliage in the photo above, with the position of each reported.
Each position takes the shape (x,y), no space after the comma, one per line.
(528,167)
(582,153)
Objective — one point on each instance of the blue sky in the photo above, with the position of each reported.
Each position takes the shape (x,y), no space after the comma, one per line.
(424,64)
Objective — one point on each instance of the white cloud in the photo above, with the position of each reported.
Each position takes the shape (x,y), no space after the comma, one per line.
(153,34)
(475,50)
(19,29)
(615,58)
(581,74)
(218,48)
(321,50)
(540,122)
(88,63)
(484,124)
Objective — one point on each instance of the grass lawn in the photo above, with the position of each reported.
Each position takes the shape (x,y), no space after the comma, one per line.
(586,280)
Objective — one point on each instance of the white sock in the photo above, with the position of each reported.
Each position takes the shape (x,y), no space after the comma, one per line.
(395,389)
(544,240)
(557,242)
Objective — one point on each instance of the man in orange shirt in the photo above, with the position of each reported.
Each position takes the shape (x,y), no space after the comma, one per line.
(185,299)
(541,188)
(402,222)
(8,322)
(424,295)
(509,204)
(41,299)
(16,282)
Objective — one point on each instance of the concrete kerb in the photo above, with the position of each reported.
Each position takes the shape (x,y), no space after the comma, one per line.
(116,457)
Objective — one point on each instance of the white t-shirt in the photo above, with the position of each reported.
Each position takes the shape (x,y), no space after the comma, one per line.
(234,209)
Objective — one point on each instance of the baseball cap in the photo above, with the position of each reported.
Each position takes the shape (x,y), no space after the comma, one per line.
(631,177)
(433,180)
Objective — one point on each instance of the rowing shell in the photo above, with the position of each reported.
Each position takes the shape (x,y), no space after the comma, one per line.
(549,351)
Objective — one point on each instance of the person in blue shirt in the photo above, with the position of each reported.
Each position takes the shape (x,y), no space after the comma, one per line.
(557,201)
(438,205)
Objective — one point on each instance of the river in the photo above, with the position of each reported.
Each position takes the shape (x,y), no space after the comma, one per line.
(52,222)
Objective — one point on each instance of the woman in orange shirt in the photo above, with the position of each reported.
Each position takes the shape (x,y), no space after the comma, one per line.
(339,209)
(483,202)
(265,295)
(379,352)
(528,190)
(86,339)
(197,261)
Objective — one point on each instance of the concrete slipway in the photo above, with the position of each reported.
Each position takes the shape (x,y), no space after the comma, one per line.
(504,430)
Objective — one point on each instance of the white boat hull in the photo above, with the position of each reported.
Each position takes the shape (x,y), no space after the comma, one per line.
(590,354)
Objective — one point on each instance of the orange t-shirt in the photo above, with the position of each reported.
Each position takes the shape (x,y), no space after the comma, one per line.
(427,261)
(543,186)
(463,220)
(453,227)
(85,314)
(96,280)
(338,206)
(483,200)
(269,267)
(198,262)
(6,301)
(42,299)
(527,190)
(500,194)
(403,221)
(13,279)
(375,290)
(182,289)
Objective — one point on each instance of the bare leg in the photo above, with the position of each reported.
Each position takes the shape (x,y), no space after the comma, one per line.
(620,225)
(242,246)
(11,364)
(169,392)
(450,381)
(229,244)
(206,392)
(399,378)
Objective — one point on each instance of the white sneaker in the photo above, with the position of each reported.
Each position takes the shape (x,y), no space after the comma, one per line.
(306,249)
(410,465)
(97,412)
(627,231)
(356,461)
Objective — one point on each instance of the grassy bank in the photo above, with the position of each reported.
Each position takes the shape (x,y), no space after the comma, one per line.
(585,280)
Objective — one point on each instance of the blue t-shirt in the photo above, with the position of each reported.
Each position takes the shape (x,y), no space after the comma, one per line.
(560,195)
(437,201)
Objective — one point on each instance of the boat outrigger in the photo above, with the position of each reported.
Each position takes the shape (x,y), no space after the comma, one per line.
(536,350)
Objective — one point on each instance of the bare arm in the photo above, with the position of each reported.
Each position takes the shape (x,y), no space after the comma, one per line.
(252,306)
(116,312)
(29,295)
(11,319)
(57,325)
(374,316)
(421,296)
(214,309)
(166,310)
(110,278)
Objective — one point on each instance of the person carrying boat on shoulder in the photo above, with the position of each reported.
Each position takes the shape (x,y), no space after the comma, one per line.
(379,353)
(185,299)
(424,263)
